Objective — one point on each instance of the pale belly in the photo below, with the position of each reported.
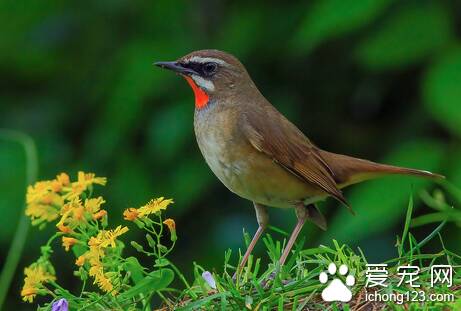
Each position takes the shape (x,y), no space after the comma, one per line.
(251,174)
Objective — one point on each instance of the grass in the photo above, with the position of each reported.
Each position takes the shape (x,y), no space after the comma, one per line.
(296,286)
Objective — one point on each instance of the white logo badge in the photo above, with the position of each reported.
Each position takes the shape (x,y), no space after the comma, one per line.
(336,290)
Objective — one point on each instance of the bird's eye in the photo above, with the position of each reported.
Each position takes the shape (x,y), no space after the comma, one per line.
(210,68)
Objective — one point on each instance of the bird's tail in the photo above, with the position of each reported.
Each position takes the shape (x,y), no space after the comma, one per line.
(349,170)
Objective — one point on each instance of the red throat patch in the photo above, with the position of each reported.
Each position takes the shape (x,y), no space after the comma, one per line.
(201,98)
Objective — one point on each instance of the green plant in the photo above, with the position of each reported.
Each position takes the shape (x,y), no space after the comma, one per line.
(297,286)
(82,225)
(124,284)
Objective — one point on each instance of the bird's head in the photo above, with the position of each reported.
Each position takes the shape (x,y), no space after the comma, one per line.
(212,74)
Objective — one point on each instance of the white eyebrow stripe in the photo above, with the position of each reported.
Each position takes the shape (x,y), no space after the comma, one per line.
(202,60)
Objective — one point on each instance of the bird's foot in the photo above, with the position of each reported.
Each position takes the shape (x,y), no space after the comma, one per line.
(265,283)
(270,278)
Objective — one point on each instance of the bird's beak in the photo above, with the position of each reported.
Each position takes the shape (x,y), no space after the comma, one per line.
(176,67)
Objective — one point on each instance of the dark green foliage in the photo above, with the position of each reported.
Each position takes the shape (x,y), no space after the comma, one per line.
(154,281)
(377,79)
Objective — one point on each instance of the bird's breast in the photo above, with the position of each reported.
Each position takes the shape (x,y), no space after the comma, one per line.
(239,166)
(220,145)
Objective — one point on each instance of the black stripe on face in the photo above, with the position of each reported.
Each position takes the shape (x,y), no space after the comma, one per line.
(203,69)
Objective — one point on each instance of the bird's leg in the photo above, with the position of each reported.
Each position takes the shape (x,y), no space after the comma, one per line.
(302,215)
(263,219)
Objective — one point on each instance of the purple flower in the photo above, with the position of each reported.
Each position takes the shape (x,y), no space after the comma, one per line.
(209,279)
(60,305)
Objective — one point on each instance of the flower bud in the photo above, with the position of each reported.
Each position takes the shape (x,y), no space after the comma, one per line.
(150,240)
(172,227)
(137,246)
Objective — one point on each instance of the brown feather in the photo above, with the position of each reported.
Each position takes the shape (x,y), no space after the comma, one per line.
(270,132)
(316,217)
(349,170)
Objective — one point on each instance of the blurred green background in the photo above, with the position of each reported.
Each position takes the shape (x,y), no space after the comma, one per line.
(377,79)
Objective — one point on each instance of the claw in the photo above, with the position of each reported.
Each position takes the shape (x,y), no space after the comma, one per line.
(265,283)
(267,280)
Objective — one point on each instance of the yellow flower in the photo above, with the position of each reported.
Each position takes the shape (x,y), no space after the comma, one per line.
(74,191)
(99,214)
(63,228)
(72,205)
(28,293)
(67,242)
(94,205)
(93,256)
(154,206)
(94,242)
(80,261)
(56,186)
(96,269)
(41,212)
(78,213)
(35,276)
(170,224)
(90,178)
(108,237)
(172,227)
(36,192)
(97,272)
(97,244)
(43,204)
(103,282)
(72,214)
(130,214)
(48,198)
(63,179)
(84,180)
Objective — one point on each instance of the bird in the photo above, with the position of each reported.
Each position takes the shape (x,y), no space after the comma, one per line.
(258,154)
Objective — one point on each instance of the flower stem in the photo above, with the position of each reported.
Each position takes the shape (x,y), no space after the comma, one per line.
(182,278)
(19,238)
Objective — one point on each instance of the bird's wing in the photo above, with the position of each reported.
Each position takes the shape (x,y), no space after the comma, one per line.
(272,134)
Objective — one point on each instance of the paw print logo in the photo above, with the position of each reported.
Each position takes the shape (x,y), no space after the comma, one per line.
(336,290)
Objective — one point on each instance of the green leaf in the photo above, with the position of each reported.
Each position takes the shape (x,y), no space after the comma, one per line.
(136,270)
(330,18)
(79,249)
(407,37)
(407,225)
(442,90)
(161,262)
(202,303)
(154,281)
(12,166)
(380,204)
